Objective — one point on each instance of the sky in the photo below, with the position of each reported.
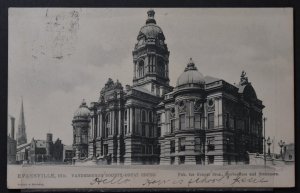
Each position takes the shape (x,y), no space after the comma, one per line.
(58,56)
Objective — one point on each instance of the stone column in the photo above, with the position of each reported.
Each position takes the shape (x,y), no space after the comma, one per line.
(100,125)
(133,120)
(167,122)
(205,117)
(191,115)
(128,120)
(220,112)
(113,122)
(134,70)
(148,64)
(92,127)
(154,63)
(216,117)
(119,122)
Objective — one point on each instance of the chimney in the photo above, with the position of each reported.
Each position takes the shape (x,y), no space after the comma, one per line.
(12,131)
(49,137)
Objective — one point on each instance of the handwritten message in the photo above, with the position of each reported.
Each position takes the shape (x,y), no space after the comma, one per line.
(139,177)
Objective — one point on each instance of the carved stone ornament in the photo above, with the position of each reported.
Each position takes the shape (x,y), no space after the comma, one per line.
(181,106)
(210,105)
(198,106)
(172,112)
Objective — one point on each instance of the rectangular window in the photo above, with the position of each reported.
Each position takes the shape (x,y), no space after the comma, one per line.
(172,146)
(181,159)
(143,130)
(231,123)
(159,118)
(211,120)
(172,125)
(143,149)
(181,144)
(197,120)
(158,131)
(78,139)
(198,159)
(149,150)
(211,159)
(182,122)
(105,149)
(172,161)
(150,131)
(198,144)
(210,144)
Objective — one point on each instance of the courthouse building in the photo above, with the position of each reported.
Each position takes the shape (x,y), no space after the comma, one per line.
(202,120)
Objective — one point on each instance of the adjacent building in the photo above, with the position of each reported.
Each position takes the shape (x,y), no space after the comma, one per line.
(202,120)
(45,150)
(11,143)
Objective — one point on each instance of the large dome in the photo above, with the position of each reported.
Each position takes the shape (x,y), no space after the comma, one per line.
(191,75)
(151,30)
(82,112)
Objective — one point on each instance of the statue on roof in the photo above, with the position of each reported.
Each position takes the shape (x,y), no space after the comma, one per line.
(244,78)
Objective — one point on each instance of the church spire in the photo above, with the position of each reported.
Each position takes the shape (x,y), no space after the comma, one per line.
(21,127)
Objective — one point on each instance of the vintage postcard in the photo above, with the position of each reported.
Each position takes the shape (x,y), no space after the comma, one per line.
(150,98)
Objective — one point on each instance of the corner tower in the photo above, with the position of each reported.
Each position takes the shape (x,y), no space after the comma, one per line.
(151,58)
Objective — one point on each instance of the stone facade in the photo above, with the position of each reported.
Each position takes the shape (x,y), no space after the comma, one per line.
(203,120)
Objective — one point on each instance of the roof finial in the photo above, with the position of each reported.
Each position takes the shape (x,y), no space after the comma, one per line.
(190,65)
(151,14)
(83,103)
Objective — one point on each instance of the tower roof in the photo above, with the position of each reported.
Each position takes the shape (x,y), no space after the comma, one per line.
(191,75)
(151,30)
(82,112)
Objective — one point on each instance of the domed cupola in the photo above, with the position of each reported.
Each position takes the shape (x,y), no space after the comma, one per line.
(82,112)
(191,77)
(150,32)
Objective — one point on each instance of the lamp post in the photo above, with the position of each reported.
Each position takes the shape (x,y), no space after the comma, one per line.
(281,144)
(269,142)
(228,150)
(264,140)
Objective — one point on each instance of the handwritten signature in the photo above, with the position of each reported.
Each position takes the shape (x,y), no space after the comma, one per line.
(113,180)
(204,180)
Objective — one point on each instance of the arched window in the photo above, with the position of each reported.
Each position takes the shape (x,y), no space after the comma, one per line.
(141,68)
